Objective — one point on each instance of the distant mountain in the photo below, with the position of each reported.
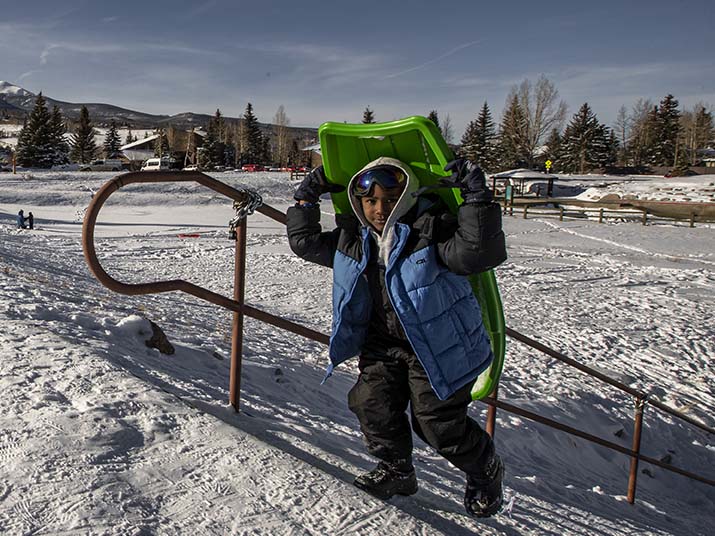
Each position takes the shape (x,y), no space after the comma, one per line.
(16,101)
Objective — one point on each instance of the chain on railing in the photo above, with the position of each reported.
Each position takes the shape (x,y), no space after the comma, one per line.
(252,202)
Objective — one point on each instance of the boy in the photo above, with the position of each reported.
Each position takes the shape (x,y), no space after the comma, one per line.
(402,304)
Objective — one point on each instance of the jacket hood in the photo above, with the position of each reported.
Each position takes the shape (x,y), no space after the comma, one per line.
(403,206)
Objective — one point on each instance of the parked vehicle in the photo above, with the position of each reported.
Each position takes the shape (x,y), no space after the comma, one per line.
(156,164)
(253,167)
(103,165)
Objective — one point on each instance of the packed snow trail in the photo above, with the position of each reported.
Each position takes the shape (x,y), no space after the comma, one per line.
(100,434)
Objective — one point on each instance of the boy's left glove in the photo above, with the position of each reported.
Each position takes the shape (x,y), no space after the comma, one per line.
(314,185)
(470,179)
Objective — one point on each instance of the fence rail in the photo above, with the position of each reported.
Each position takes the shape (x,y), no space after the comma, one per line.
(240,308)
(603,214)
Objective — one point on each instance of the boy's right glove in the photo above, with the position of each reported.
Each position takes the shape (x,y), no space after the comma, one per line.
(314,185)
(470,179)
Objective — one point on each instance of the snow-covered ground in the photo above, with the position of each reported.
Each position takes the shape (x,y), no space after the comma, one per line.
(101,435)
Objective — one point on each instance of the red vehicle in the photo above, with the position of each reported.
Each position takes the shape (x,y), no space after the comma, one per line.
(253,167)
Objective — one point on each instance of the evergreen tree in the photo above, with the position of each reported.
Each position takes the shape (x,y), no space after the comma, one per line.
(25,150)
(36,142)
(83,146)
(479,142)
(512,135)
(666,132)
(112,142)
(254,151)
(368,116)
(211,153)
(432,116)
(59,143)
(130,138)
(294,154)
(586,143)
(161,144)
(554,143)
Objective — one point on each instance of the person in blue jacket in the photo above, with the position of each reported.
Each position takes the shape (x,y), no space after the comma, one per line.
(21,220)
(403,305)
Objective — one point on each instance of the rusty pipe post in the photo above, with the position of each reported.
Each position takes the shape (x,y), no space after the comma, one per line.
(239,288)
(636,448)
(492,413)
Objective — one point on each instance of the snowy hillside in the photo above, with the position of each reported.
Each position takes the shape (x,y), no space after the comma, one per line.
(101,435)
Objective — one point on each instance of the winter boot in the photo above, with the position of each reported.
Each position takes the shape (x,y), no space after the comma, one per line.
(388,479)
(483,497)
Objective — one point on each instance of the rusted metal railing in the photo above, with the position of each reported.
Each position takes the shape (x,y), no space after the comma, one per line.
(240,308)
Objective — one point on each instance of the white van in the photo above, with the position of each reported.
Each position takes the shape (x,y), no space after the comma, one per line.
(155,164)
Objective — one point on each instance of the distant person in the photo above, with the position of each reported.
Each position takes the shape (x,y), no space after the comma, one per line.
(403,304)
(21,220)
(30,220)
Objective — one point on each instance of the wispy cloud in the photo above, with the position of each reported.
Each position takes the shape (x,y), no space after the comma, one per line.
(113,18)
(434,60)
(25,75)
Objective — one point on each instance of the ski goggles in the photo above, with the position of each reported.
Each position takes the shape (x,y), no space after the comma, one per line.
(386,176)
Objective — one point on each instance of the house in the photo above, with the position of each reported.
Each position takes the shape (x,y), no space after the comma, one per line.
(183,145)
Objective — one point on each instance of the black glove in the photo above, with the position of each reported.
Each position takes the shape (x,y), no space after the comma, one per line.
(470,179)
(314,185)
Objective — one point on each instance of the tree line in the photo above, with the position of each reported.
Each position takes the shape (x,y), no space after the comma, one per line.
(42,141)
(531,131)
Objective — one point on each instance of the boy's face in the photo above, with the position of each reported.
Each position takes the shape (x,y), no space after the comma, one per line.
(378,205)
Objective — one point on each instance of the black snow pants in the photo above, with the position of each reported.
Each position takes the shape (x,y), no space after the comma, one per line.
(380,397)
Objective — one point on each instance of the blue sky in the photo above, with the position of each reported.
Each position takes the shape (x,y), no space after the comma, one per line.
(329,60)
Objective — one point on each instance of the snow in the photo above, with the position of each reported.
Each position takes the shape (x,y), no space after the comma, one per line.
(100,434)
(6,88)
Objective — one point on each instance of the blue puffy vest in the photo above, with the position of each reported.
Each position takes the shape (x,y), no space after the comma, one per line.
(437,308)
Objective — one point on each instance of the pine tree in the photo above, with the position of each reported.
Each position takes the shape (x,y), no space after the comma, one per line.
(130,138)
(479,140)
(59,144)
(432,116)
(512,135)
(254,149)
(586,143)
(84,148)
(368,116)
(36,147)
(112,142)
(667,132)
(161,144)
(554,143)
(25,150)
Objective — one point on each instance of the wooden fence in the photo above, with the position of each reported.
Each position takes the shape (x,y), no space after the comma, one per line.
(603,214)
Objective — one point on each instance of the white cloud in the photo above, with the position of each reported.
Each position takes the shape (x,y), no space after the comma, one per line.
(434,60)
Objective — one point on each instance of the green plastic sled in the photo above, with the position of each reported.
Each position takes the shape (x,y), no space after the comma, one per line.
(419,143)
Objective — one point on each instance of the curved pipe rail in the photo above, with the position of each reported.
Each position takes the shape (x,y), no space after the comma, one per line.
(90,253)
(241,308)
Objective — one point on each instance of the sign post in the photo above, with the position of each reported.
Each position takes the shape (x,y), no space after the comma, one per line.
(550,187)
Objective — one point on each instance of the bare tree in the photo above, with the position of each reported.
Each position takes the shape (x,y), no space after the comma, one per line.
(641,135)
(696,131)
(280,128)
(621,128)
(447,129)
(543,112)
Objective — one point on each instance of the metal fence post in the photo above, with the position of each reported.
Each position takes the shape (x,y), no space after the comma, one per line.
(600,215)
(492,414)
(239,286)
(636,448)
